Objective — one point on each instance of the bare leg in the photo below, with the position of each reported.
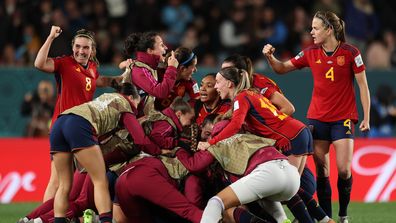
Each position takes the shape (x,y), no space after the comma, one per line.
(91,159)
(53,184)
(63,165)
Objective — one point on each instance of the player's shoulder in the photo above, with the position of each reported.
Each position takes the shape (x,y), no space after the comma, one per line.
(313,47)
(349,48)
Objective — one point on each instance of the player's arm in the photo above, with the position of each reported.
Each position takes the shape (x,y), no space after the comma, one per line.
(282,103)
(365,100)
(42,61)
(278,66)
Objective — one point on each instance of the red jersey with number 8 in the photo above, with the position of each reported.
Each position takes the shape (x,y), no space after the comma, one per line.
(333,96)
(75,84)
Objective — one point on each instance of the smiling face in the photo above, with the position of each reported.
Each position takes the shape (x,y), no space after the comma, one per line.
(186,73)
(159,48)
(82,50)
(207,90)
(319,32)
(223,86)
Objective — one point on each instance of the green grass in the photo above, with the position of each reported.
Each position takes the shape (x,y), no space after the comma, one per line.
(359,212)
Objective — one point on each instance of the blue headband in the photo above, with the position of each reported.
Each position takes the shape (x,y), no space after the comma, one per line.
(189,59)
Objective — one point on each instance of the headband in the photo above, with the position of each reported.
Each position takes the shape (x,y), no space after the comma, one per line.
(188,59)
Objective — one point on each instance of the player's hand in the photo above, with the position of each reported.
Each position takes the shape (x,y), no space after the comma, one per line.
(55,32)
(125,64)
(203,145)
(364,126)
(172,61)
(268,50)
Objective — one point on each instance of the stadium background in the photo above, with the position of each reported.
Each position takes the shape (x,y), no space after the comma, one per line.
(24,25)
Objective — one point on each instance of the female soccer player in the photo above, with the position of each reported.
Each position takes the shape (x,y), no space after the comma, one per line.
(262,83)
(149,50)
(76,79)
(185,84)
(75,134)
(332,112)
(210,101)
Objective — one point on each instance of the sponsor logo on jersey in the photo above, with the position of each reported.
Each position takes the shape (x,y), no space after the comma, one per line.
(358,60)
(78,69)
(318,61)
(341,60)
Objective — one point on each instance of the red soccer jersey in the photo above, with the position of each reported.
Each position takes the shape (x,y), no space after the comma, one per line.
(75,84)
(265,85)
(221,108)
(261,118)
(181,88)
(333,96)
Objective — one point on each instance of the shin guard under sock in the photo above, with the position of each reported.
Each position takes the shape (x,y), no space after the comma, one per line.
(344,194)
(324,194)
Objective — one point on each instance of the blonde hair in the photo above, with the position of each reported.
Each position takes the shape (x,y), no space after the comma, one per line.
(239,77)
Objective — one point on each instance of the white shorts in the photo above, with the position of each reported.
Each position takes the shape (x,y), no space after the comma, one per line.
(275,180)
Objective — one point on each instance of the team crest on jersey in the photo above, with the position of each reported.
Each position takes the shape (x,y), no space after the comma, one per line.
(299,55)
(358,60)
(341,60)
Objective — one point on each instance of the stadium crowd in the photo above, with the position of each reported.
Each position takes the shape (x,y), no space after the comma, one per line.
(213,28)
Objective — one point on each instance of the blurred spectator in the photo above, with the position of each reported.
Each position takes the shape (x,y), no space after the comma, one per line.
(233,31)
(378,56)
(207,25)
(383,112)
(39,106)
(363,23)
(327,5)
(176,15)
(390,41)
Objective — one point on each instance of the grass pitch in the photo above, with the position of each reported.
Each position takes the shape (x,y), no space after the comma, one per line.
(358,212)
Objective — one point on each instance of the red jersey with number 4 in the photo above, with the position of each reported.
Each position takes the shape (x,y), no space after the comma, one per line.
(265,85)
(333,96)
(75,84)
(261,118)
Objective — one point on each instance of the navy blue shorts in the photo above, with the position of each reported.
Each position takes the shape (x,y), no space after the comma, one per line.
(332,131)
(71,132)
(302,144)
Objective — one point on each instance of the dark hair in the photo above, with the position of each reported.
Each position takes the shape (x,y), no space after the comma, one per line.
(91,36)
(127,89)
(210,75)
(209,119)
(385,94)
(331,20)
(139,42)
(240,62)
(239,77)
(185,55)
(179,104)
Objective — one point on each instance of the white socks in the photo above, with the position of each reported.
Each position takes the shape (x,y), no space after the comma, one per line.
(213,210)
(37,220)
